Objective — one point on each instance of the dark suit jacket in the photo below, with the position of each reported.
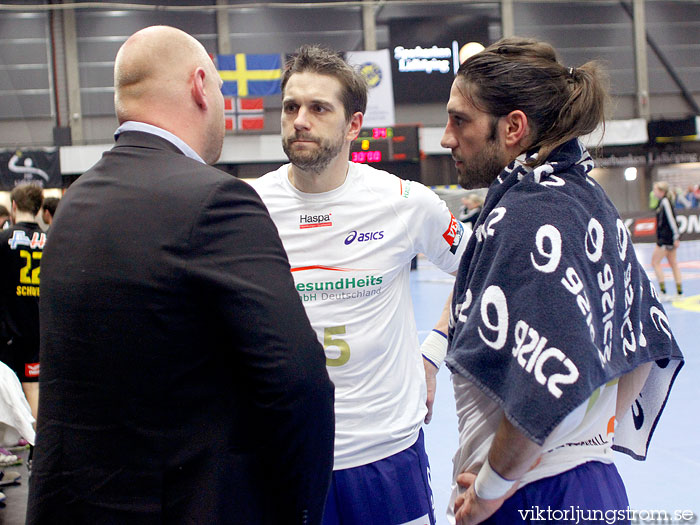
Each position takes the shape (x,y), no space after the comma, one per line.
(181,381)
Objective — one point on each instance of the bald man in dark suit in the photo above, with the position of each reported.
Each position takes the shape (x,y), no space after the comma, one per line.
(181,380)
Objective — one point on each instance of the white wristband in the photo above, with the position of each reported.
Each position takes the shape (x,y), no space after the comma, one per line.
(434,348)
(489,484)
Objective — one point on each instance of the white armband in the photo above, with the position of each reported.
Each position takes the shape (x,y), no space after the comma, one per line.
(434,348)
(489,484)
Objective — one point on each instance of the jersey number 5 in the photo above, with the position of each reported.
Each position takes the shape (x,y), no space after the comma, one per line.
(330,343)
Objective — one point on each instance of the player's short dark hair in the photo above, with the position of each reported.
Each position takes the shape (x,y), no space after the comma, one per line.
(28,197)
(323,61)
(4,212)
(50,204)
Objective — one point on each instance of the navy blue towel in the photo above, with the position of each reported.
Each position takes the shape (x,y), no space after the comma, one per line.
(551,302)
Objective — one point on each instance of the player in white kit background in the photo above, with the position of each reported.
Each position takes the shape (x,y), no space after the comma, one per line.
(350,232)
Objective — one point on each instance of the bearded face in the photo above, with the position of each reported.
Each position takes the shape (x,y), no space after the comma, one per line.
(314,123)
(311,153)
(473,136)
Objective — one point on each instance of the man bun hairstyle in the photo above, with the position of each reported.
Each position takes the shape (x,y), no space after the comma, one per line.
(560,102)
(314,58)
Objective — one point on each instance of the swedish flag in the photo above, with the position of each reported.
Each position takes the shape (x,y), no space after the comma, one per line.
(250,75)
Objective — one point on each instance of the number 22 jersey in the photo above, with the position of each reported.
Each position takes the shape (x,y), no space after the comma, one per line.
(350,251)
(21,248)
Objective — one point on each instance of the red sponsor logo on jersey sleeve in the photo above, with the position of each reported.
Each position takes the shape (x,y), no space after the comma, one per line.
(451,231)
(453,234)
(31,370)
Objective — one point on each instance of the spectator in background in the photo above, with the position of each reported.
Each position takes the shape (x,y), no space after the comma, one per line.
(653,201)
(690,199)
(667,238)
(48,209)
(680,200)
(471,207)
(4,218)
(687,199)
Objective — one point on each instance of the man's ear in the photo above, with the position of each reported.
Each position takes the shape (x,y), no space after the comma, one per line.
(198,92)
(517,130)
(355,126)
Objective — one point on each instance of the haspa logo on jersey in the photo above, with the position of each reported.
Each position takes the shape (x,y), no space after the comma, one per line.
(363,237)
(315,221)
(453,234)
(31,370)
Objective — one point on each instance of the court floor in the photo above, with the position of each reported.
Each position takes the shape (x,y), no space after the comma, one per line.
(668,479)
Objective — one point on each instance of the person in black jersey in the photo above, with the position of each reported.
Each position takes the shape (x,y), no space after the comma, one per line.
(21,248)
(667,238)
(48,209)
(4,218)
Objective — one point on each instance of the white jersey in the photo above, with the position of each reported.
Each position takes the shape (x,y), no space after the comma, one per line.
(350,251)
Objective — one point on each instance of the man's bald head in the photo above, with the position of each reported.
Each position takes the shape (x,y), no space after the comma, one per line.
(154,64)
(164,77)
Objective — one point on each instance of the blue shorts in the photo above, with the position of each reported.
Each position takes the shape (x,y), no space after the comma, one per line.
(590,493)
(392,491)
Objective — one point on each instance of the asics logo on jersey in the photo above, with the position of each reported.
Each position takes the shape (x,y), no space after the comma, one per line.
(363,237)
(314,221)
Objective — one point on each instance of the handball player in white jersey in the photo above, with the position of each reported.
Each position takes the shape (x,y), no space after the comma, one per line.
(350,232)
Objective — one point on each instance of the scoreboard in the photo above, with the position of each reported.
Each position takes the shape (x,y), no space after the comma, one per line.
(390,144)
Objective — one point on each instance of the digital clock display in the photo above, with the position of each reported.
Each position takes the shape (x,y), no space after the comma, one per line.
(390,144)
(366,156)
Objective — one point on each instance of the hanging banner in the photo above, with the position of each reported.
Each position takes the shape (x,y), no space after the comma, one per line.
(375,66)
(38,166)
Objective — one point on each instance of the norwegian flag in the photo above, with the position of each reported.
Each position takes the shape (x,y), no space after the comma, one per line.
(244,113)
